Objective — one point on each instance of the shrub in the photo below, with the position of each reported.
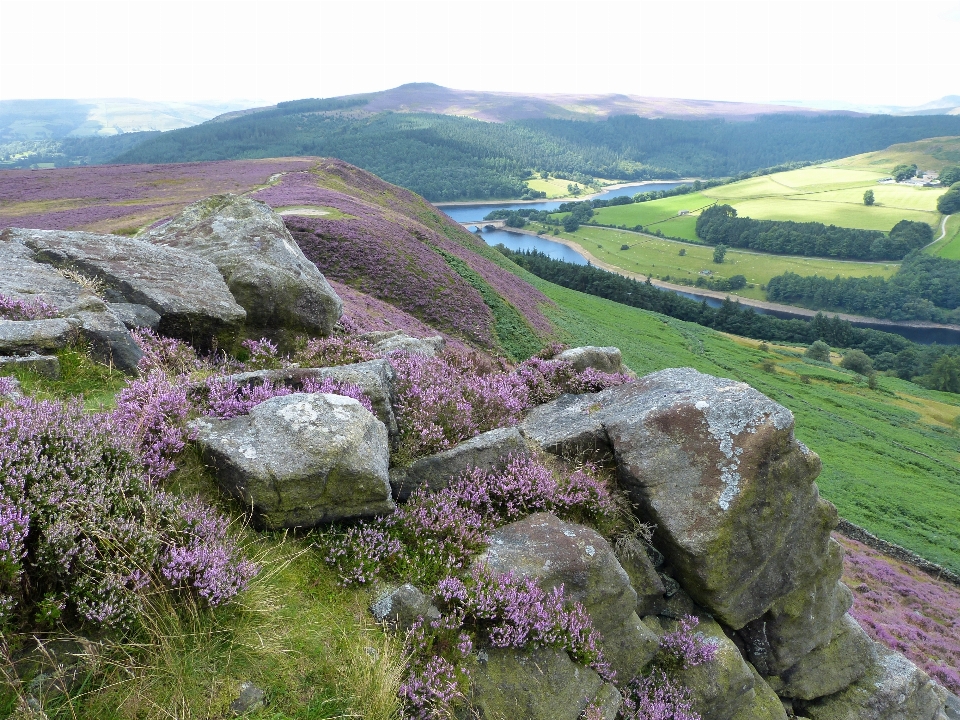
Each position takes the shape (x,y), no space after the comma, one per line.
(100,534)
(449,398)
(224,398)
(16,309)
(819,351)
(858,361)
(169,355)
(436,533)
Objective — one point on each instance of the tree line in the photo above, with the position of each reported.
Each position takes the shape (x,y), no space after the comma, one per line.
(933,366)
(926,287)
(455,158)
(720,225)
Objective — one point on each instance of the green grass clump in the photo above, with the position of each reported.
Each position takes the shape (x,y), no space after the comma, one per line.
(80,376)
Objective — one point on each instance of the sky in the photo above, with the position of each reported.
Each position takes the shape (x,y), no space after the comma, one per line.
(900,52)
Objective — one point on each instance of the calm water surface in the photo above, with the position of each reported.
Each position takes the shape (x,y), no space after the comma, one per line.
(559,251)
(473,213)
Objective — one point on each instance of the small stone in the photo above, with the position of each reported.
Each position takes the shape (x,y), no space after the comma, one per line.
(403,606)
(47,366)
(251,698)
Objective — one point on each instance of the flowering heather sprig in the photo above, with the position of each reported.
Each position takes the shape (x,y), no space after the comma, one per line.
(449,398)
(332,386)
(512,612)
(9,388)
(263,355)
(445,399)
(172,356)
(200,554)
(685,647)
(331,351)
(17,309)
(657,697)
(14,524)
(431,689)
(153,413)
(436,533)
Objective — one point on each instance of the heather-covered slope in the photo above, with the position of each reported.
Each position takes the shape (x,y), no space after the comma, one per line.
(361,232)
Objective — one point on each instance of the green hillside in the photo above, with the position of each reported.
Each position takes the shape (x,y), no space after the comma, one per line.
(891,456)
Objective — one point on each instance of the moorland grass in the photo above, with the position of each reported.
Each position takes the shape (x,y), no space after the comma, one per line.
(660,258)
(891,456)
(929,154)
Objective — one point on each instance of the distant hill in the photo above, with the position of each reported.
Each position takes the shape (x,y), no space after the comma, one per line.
(507,106)
(445,157)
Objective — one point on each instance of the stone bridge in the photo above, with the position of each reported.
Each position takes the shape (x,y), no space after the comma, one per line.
(485,224)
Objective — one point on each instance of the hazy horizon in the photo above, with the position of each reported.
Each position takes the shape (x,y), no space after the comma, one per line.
(809,52)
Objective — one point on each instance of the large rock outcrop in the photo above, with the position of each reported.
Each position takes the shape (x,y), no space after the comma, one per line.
(300,460)
(184,289)
(555,553)
(604,359)
(715,466)
(22,277)
(893,689)
(283,293)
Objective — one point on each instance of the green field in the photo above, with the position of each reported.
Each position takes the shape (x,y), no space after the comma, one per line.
(830,195)
(661,258)
(891,456)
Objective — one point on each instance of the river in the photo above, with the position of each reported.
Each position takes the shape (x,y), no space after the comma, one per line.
(476,212)
(559,251)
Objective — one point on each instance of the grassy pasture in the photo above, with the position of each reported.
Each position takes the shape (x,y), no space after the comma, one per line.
(658,257)
(891,456)
(830,195)
(931,154)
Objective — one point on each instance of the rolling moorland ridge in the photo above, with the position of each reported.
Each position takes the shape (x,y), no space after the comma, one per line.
(285,615)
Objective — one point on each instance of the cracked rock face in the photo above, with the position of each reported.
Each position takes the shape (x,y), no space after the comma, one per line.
(185,290)
(714,464)
(554,553)
(283,293)
(302,459)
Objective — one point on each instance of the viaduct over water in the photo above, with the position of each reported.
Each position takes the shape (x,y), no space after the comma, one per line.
(485,224)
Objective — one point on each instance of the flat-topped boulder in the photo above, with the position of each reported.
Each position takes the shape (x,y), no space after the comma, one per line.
(25,337)
(301,460)
(375,377)
(385,341)
(282,291)
(603,359)
(186,290)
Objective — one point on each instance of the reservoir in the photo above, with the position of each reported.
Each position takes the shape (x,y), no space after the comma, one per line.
(559,251)
(474,213)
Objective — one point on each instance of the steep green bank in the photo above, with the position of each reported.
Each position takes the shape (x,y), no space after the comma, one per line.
(890,456)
